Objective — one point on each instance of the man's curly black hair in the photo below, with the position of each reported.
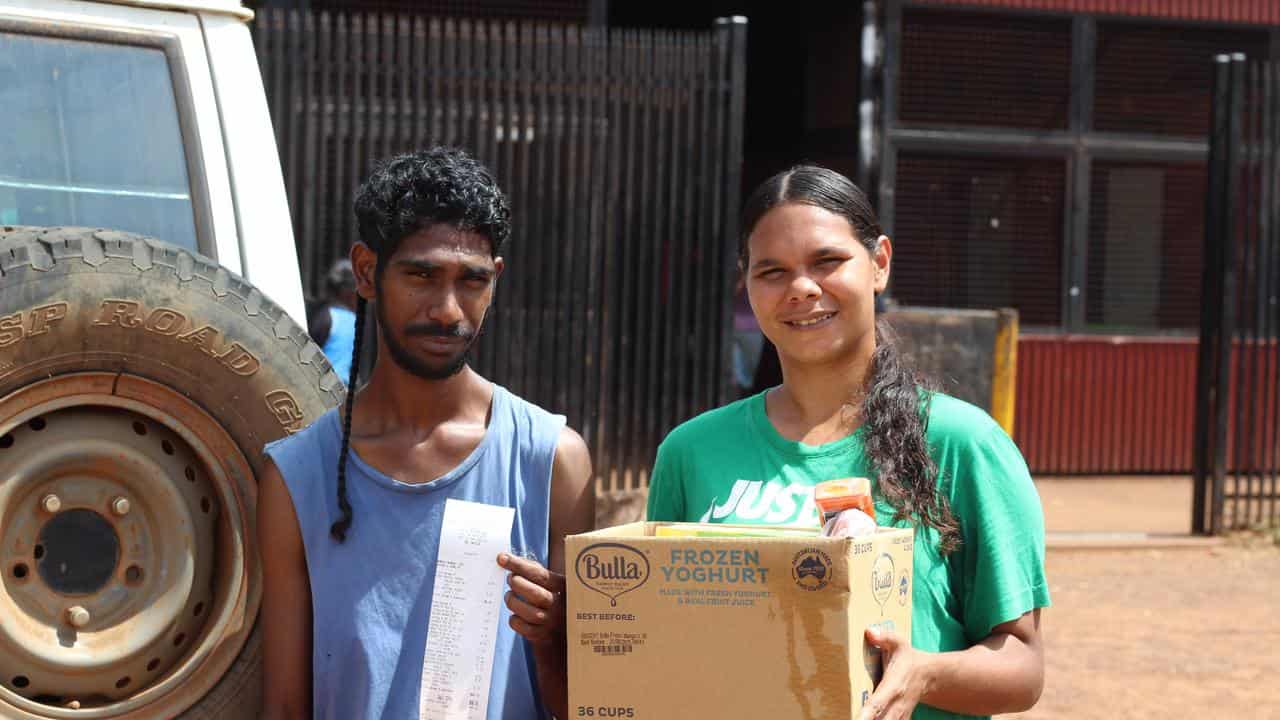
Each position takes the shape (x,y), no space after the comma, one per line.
(409,192)
(403,195)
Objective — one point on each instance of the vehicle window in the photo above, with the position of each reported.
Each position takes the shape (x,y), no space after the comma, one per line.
(91,137)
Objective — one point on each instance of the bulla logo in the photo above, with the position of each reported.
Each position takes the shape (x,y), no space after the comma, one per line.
(612,569)
(617,568)
(773,503)
(882,579)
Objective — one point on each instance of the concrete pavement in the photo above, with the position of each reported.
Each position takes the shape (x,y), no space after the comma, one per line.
(1118,512)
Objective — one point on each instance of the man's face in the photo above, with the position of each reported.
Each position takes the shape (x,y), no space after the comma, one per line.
(431,297)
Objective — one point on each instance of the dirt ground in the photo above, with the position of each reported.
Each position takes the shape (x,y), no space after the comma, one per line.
(1159,505)
(1184,633)
(1156,632)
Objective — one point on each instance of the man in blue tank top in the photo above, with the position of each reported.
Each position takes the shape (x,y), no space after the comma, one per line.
(350,509)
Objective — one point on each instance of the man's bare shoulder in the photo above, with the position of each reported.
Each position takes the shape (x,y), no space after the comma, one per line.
(571,451)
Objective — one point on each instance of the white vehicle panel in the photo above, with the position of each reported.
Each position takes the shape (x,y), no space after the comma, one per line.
(270,259)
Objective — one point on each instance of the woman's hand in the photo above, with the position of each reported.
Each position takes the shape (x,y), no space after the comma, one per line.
(1002,673)
(905,681)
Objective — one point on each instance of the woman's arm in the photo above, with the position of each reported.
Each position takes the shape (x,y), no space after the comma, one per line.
(1001,563)
(1002,673)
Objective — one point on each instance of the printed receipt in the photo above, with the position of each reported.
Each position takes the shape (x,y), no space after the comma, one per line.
(465,608)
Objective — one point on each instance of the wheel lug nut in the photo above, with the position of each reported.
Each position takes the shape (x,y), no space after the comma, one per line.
(51,503)
(77,616)
(120,506)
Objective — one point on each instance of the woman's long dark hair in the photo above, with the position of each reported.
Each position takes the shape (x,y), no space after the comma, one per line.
(893,411)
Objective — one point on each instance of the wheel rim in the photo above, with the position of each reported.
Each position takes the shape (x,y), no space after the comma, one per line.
(127,581)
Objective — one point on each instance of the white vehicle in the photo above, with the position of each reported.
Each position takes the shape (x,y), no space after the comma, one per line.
(140,371)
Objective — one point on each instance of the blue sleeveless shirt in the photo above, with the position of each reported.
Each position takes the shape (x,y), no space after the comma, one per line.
(371,596)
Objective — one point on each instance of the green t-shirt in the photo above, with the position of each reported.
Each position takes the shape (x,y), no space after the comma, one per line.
(730,465)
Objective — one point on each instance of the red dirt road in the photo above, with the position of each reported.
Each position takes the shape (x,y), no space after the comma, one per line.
(1156,633)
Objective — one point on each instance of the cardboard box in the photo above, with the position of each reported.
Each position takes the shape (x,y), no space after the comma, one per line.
(729,627)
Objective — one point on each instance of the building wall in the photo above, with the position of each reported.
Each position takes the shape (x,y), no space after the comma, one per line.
(1052,162)
(1055,162)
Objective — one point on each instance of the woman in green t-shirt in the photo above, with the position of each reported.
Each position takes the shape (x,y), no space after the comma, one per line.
(814,259)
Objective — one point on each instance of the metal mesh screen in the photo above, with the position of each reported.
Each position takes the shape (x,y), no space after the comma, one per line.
(980,232)
(980,69)
(1156,80)
(1146,230)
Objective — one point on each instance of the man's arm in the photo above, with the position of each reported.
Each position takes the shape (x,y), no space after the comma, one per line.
(573,495)
(286,603)
(537,599)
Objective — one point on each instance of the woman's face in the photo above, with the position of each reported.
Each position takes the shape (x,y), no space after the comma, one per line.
(812,284)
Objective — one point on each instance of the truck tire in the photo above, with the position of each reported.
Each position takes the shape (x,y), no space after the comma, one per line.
(138,385)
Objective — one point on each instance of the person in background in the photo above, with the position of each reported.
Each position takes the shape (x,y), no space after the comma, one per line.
(848,406)
(339,305)
(319,321)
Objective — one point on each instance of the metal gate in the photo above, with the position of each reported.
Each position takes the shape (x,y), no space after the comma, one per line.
(1237,432)
(620,151)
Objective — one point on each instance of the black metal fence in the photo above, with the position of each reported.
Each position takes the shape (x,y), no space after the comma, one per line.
(620,151)
(1237,440)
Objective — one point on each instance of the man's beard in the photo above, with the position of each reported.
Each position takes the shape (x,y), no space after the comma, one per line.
(414,365)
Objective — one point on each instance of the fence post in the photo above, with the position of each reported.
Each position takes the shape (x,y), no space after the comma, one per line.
(731,31)
(1218,296)
(870,94)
